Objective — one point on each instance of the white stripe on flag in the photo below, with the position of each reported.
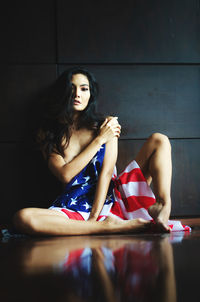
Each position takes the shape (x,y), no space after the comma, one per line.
(130,167)
(85,215)
(140,213)
(106,209)
(177,226)
(136,189)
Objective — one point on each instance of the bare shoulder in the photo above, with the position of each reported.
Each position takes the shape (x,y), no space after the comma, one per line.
(79,140)
(55,160)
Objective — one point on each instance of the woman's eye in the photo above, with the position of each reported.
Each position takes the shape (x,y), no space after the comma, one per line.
(84,89)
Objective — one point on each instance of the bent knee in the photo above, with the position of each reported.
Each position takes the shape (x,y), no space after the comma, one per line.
(160,139)
(23,220)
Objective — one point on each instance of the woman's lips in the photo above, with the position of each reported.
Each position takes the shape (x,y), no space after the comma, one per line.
(76,102)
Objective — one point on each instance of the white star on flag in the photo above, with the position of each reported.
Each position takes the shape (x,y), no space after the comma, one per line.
(87,206)
(86,178)
(109,198)
(83,185)
(75,183)
(73,201)
(94,160)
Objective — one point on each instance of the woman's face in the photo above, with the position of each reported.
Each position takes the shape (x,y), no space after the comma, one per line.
(81,91)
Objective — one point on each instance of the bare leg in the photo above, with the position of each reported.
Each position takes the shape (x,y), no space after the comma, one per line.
(154,160)
(35,221)
(105,282)
(163,253)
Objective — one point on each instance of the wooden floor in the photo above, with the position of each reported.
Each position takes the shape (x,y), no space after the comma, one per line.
(147,267)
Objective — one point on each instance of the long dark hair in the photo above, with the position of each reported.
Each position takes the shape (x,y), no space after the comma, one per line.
(58,117)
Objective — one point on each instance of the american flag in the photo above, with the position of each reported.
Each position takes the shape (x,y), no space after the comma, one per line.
(129,196)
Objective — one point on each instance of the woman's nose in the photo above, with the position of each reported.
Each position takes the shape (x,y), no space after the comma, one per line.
(77,94)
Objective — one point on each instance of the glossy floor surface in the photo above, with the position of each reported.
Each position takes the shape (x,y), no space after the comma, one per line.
(148,267)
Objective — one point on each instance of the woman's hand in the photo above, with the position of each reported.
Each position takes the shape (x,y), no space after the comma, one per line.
(109,129)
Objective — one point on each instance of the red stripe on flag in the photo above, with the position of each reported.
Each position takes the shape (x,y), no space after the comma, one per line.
(186,228)
(101,216)
(116,210)
(133,203)
(117,193)
(134,175)
(73,215)
(73,257)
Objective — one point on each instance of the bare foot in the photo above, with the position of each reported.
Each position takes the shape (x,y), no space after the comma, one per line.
(160,213)
(124,226)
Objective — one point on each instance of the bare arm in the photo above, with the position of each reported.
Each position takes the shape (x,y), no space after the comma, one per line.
(109,162)
(66,171)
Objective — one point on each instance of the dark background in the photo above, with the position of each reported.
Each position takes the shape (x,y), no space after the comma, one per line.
(145,55)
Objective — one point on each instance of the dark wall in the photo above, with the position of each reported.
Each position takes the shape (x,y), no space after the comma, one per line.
(145,55)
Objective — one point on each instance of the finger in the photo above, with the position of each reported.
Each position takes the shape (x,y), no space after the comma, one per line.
(113,119)
(117,127)
(104,123)
(116,131)
(113,122)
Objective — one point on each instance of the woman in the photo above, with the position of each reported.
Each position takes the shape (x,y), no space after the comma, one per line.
(81,151)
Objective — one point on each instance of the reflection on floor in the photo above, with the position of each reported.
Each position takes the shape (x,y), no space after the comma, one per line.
(151,267)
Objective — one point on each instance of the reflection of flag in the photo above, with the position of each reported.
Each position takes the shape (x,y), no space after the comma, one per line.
(137,270)
(131,268)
